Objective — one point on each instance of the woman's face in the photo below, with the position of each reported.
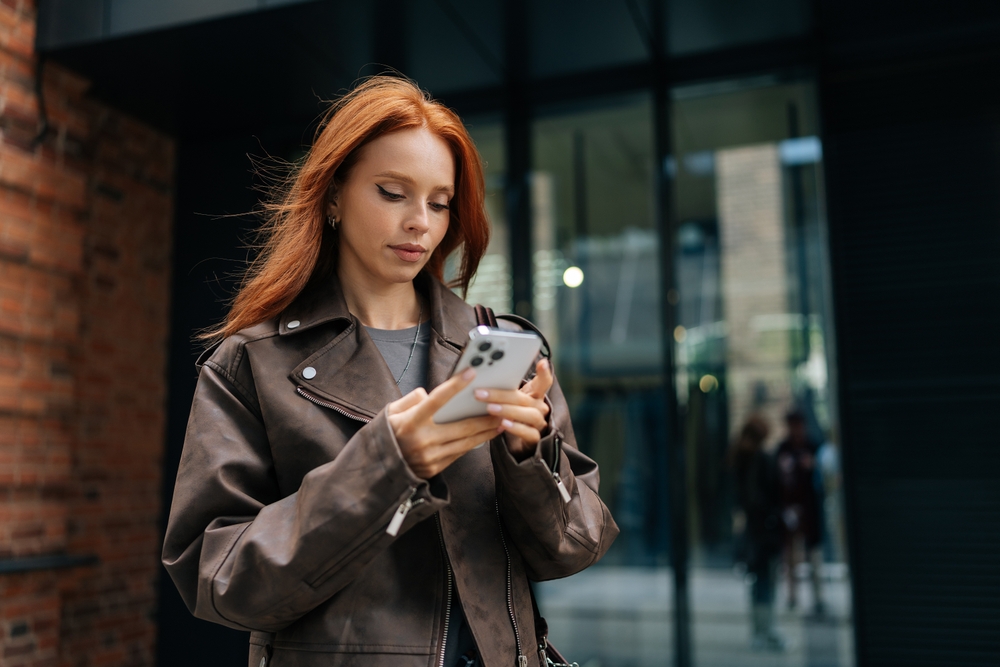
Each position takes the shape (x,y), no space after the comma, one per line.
(392,211)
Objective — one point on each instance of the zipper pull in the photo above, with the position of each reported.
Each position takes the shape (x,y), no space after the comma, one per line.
(522,661)
(400,515)
(562,487)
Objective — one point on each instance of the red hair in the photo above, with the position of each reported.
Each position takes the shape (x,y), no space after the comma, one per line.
(298,246)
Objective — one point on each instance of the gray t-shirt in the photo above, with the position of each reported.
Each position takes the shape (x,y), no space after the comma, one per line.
(395,345)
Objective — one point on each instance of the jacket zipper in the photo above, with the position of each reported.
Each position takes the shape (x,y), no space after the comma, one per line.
(563,491)
(333,406)
(401,512)
(447,596)
(370,537)
(522,660)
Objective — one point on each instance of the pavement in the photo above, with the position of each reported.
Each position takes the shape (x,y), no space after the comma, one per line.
(623,617)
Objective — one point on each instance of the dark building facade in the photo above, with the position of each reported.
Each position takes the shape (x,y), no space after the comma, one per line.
(713,209)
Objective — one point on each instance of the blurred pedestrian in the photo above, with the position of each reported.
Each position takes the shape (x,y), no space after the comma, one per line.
(801,507)
(757,494)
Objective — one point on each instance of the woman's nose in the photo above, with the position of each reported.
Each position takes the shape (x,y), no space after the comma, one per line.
(419,220)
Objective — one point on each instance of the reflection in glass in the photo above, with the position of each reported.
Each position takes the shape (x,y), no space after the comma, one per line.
(596,297)
(753,347)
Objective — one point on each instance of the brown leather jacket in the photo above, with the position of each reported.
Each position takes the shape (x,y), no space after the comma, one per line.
(290,477)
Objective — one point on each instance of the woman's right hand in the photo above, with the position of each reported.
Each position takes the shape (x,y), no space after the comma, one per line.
(427,447)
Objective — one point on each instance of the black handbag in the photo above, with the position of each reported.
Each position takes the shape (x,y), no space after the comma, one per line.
(548,655)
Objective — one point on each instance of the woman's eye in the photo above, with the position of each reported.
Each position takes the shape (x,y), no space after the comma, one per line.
(439,206)
(394,196)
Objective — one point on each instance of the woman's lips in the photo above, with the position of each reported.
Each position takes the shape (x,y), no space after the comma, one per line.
(409,252)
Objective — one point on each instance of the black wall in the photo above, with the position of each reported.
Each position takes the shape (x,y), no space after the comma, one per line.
(912,149)
(214,180)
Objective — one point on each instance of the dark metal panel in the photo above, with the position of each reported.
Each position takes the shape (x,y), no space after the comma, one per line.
(517,120)
(66,23)
(680,537)
(911,149)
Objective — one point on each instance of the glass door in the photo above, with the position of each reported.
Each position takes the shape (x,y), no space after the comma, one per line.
(596,297)
(769,583)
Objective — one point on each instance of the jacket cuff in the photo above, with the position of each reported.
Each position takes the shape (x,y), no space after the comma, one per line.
(533,480)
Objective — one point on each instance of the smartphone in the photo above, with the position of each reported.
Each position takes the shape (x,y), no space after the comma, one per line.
(501,359)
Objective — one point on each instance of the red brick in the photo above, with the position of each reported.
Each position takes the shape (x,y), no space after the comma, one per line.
(81,417)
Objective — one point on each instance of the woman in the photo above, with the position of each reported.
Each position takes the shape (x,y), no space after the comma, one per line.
(757,494)
(317,503)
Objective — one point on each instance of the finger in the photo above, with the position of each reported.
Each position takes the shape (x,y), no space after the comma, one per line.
(408,401)
(472,441)
(508,396)
(463,428)
(527,433)
(542,382)
(516,413)
(443,393)
(446,454)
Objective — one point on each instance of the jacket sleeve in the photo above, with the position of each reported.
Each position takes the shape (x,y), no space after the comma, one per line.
(242,555)
(556,538)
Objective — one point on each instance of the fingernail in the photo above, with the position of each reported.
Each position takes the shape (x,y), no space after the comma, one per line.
(506,423)
(494,408)
(469,374)
(482,393)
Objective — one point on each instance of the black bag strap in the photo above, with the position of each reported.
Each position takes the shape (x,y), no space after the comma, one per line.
(485,316)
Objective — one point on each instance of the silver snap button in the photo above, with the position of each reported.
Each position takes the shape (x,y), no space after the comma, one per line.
(294,324)
(309,372)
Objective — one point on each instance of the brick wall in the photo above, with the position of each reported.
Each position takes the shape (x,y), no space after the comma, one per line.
(754,283)
(85,231)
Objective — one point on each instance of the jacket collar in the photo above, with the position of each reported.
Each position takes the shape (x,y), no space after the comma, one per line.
(348,370)
(451,318)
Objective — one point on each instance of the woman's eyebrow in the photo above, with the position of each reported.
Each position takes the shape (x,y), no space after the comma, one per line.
(396,175)
(408,180)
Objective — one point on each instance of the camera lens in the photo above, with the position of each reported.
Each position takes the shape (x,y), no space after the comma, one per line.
(485,345)
(476,361)
(497,355)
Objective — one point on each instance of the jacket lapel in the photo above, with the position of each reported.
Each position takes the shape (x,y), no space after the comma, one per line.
(349,370)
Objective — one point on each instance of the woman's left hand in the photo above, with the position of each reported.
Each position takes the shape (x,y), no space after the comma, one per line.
(524,411)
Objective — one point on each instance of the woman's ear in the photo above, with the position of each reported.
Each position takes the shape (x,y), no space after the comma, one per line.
(332,208)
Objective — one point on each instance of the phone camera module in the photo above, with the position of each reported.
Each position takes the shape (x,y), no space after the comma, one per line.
(476,361)
(485,345)
(497,355)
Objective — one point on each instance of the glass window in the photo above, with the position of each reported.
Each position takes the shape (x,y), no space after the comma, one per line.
(454,45)
(589,34)
(768,570)
(492,285)
(706,25)
(596,297)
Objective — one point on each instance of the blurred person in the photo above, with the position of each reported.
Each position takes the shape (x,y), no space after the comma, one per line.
(801,507)
(317,504)
(757,495)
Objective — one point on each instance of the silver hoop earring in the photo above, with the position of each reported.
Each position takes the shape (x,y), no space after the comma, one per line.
(332,221)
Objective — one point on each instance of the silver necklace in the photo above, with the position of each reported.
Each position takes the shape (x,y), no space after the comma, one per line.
(416,335)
